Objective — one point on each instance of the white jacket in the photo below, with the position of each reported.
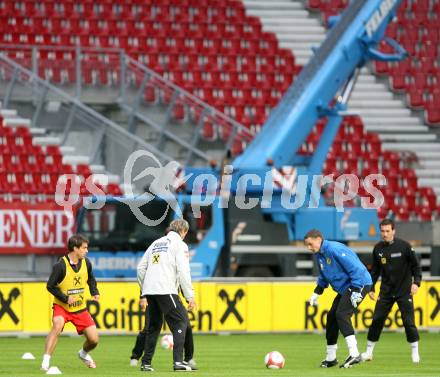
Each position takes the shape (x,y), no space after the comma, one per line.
(165,266)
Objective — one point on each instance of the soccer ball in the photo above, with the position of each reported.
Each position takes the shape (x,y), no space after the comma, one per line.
(274,360)
(167,342)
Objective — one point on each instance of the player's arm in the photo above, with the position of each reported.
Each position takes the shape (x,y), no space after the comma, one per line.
(184,273)
(142,268)
(415,269)
(321,284)
(355,270)
(57,275)
(376,269)
(142,301)
(91,281)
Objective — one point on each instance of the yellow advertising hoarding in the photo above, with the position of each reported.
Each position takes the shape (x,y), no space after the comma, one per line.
(222,306)
(11,310)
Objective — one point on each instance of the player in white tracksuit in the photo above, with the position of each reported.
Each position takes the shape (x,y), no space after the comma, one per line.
(163,268)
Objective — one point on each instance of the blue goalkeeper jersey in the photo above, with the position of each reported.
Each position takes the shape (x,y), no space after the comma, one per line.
(340,267)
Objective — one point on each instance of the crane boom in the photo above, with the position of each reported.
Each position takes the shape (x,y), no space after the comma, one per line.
(348,46)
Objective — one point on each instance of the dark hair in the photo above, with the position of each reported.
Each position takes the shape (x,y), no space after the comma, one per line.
(387,222)
(76,241)
(313,233)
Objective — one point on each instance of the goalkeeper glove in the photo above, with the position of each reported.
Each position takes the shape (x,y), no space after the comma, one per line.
(355,298)
(313,300)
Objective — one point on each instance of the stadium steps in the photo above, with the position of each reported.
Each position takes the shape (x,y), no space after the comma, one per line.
(37,131)
(75,160)
(375,103)
(403,137)
(47,140)
(8,114)
(70,157)
(295,28)
(97,169)
(16,122)
(67,150)
(428,164)
(428,173)
(399,128)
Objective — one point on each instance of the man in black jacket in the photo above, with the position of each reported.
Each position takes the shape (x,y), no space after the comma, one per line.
(396,262)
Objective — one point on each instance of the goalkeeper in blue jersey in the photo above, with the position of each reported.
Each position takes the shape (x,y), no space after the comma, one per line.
(341,268)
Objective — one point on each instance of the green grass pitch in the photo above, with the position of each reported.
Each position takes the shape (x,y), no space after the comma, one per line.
(233,355)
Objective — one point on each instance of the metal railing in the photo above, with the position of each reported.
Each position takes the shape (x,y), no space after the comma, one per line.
(135,88)
(74,114)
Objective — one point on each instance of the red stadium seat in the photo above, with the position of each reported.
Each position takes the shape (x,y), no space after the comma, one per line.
(416,99)
(391,160)
(424,213)
(83,170)
(433,114)
(429,197)
(402,213)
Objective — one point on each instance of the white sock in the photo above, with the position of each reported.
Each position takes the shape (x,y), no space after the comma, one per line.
(415,351)
(370,347)
(331,352)
(84,355)
(352,345)
(46,360)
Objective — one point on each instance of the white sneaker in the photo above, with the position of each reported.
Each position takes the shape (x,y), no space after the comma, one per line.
(133,362)
(87,360)
(45,363)
(181,367)
(44,367)
(366,356)
(192,363)
(415,358)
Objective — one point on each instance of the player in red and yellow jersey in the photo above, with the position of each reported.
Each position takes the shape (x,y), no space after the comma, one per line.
(67,283)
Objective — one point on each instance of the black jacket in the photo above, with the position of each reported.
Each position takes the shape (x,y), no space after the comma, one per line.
(398,265)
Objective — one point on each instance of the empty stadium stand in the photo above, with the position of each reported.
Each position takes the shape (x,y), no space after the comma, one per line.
(31,164)
(411,149)
(210,48)
(235,56)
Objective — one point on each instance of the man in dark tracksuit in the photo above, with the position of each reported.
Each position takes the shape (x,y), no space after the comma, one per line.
(138,348)
(394,260)
(341,268)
